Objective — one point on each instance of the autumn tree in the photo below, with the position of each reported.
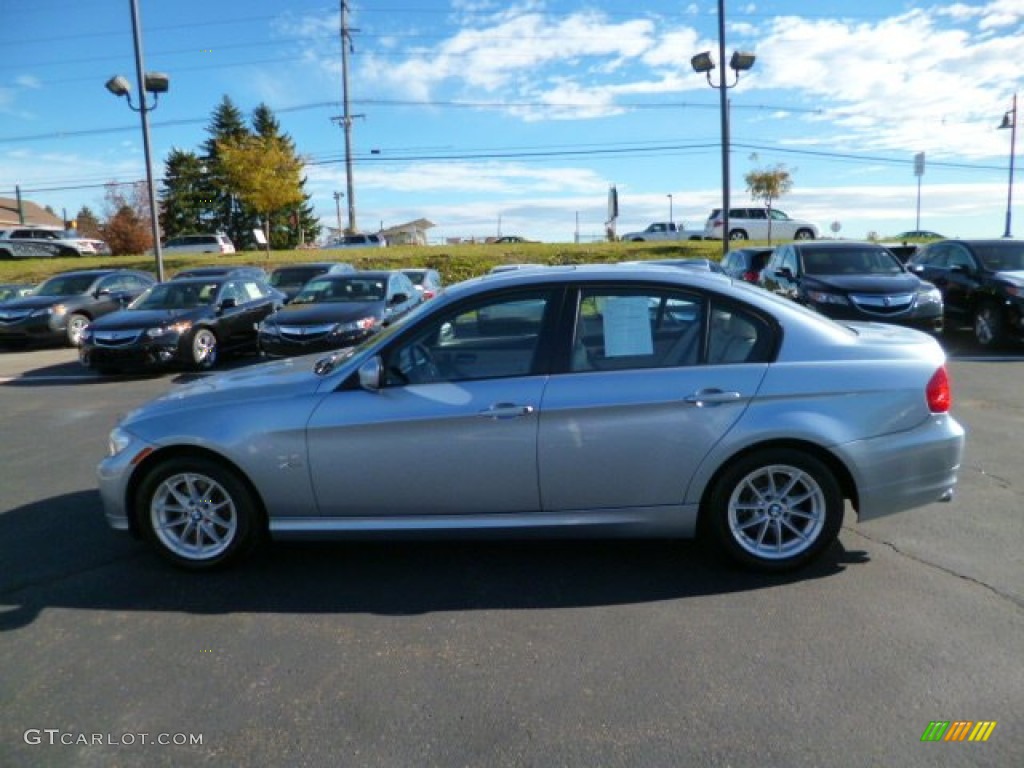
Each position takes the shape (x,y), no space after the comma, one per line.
(264,173)
(87,224)
(768,185)
(223,210)
(127,224)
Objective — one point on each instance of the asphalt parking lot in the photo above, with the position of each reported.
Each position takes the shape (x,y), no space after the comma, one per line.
(500,654)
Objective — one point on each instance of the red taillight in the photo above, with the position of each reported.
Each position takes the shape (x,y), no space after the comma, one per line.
(427,294)
(938,392)
(750,276)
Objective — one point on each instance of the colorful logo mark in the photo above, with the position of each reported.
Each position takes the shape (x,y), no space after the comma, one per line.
(958,730)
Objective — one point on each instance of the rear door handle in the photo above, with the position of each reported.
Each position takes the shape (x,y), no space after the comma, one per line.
(703,398)
(506,411)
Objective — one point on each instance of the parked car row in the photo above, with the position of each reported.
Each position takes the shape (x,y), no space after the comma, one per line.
(47,242)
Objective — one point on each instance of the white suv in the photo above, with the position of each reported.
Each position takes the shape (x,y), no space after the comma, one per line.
(199,244)
(753,224)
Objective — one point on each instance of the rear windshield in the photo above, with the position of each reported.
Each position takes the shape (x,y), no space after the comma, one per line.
(345,289)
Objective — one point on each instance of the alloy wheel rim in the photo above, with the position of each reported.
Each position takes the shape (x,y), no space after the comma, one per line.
(193,516)
(204,348)
(777,512)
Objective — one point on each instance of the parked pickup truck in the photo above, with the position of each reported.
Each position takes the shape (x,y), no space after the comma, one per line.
(659,230)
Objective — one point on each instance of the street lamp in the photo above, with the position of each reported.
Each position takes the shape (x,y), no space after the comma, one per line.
(669,209)
(703,63)
(1010,121)
(155,83)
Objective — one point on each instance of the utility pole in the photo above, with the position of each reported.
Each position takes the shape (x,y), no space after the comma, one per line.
(346,43)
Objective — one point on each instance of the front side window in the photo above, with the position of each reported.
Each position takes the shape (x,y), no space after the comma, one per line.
(496,337)
(619,329)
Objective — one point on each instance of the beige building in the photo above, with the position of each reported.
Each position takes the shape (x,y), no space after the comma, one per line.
(35,215)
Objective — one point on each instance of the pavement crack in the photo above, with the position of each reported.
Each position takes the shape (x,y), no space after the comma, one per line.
(1017,601)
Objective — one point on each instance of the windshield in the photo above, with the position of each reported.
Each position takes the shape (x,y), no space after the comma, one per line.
(999,257)
(325,365)
(66,285)
(176,296)
(294,276)
(850,261)
(340,290)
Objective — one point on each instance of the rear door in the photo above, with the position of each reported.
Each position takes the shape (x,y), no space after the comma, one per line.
(656,377)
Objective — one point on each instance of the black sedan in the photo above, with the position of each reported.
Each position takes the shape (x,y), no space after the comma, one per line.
(62,306)
(849,280)
(290,278)
(982,282)
(188,321)
(336,311)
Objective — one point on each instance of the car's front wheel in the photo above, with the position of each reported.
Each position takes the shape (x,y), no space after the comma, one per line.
(775,510)
(197,513)
(75,327)
(803,234)
(988,326)
(204,349)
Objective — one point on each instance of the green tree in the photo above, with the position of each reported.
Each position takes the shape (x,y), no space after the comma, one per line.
(263,172)
(186,204)
(768,185)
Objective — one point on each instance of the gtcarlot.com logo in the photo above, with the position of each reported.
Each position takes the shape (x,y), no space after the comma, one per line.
(958,730)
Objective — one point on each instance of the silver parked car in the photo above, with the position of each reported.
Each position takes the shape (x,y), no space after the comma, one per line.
(605,401)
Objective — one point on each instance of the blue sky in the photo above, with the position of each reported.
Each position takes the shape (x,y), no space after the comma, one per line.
(516,117)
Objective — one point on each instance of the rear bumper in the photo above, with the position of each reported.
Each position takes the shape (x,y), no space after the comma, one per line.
(908,469)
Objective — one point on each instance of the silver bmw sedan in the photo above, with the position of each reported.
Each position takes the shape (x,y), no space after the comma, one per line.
(636,401)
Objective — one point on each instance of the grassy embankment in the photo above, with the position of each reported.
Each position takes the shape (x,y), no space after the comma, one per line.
(454,262)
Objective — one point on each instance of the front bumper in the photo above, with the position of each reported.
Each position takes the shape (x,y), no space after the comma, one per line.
(39,328)
(114,476)
(143,353)
(279,345)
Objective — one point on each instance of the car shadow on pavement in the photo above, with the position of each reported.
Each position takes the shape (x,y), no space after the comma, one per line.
(73,373)
(59,553)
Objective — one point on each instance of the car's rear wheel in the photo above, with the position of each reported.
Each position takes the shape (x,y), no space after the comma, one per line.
(738,234)
(988,326)
(775,510)
(75,327)
(204,349)
(803,234)
(196,512)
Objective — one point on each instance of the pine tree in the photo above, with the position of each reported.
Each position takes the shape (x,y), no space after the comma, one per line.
(225,214)
(86,223)
(186,204)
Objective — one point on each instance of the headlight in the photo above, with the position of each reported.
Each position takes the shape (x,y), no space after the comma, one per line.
(118,441)
(59,309)
(822,297)
(929,295)
(362,324)
(178,328)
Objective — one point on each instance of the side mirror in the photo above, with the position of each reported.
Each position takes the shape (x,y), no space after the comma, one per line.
(961,269)
(787,273)
(370,374)
(101,293)
(228,304)
(399,298)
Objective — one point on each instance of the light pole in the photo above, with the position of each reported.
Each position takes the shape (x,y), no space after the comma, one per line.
(1010,121)
(337,207)
(740,62)
(155,83)
(669,209)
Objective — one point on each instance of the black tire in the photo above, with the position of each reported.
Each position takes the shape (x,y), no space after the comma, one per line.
(774,510)
(197,513)
(738,234)
(75,325)
(803,234)
(203,349)
(5,255)
(987,325)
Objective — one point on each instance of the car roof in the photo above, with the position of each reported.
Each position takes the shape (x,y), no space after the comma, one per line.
(98,272)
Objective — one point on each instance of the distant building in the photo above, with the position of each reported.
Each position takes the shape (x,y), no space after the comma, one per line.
(411,233)
(35,215)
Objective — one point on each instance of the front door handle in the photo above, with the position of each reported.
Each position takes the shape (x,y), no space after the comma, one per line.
(506,411)
(703,398)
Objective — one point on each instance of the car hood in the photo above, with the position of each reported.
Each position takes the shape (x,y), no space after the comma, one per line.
(290,379)
(38,302)
(326,312)
(147,318)
(1015,276)
(899,283)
